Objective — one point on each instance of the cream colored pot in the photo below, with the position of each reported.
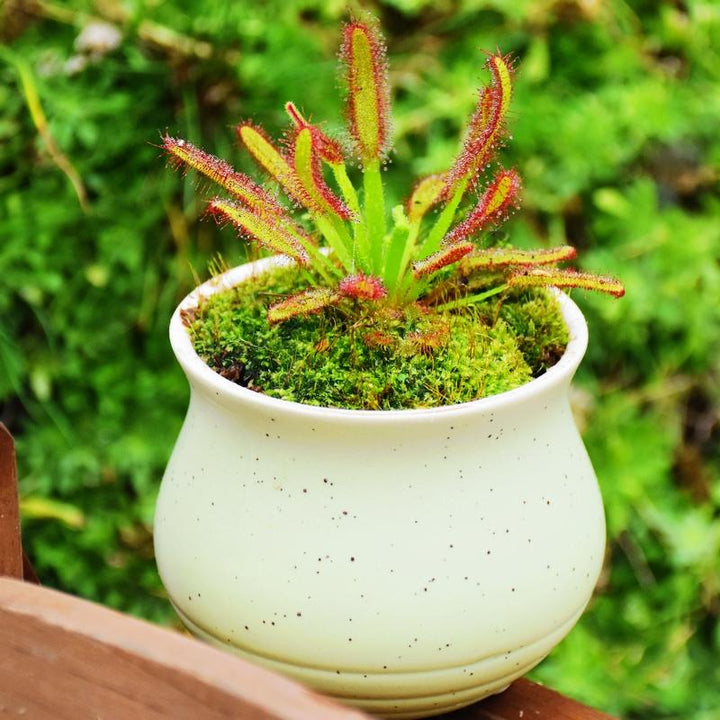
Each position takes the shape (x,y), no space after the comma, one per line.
(409,562)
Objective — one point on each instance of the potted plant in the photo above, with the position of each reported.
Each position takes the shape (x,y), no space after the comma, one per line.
(379,488)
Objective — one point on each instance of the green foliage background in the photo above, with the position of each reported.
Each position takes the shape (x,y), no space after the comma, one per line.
(616,134)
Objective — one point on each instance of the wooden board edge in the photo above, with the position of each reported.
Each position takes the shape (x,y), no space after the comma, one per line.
(251,684)
(11,557)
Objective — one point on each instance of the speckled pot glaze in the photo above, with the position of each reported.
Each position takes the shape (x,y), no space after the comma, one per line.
(409,562)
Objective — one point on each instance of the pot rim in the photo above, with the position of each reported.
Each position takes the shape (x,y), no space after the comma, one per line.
(199,373)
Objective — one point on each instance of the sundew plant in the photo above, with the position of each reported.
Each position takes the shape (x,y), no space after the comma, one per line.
(433,254)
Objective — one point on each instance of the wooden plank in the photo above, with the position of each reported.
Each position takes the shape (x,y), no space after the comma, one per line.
(62,658)
(11,557)
(526,700)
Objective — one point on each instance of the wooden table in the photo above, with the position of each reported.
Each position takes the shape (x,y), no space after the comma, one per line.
(62,658)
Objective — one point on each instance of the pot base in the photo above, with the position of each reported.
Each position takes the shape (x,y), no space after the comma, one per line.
(415,693)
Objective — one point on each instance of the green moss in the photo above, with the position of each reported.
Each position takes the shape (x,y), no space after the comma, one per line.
(539,329)
(384,360)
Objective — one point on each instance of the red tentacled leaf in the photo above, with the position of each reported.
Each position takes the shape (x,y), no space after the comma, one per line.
(486,125)
(499,258)
(272,160)
(329,150)
(446,256)
(304,303)
(537,277)
(363,287)
(308,172)
(186,155)
(431,338)
(280,236)
(494,204)
(368,99)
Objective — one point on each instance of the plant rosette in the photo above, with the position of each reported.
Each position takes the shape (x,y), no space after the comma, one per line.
(409,562)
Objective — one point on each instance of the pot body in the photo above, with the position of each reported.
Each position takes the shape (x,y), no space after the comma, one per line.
(409,562)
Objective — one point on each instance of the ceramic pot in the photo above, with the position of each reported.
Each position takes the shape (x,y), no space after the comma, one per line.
(409,562)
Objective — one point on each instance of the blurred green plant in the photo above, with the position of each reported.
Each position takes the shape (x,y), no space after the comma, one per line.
(619,150)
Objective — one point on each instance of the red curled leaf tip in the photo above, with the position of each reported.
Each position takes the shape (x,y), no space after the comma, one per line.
(328,149)
(295,115)
(501,67)
(486,125)
(363,287)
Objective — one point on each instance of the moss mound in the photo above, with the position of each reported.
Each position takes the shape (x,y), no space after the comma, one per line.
(386,360)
